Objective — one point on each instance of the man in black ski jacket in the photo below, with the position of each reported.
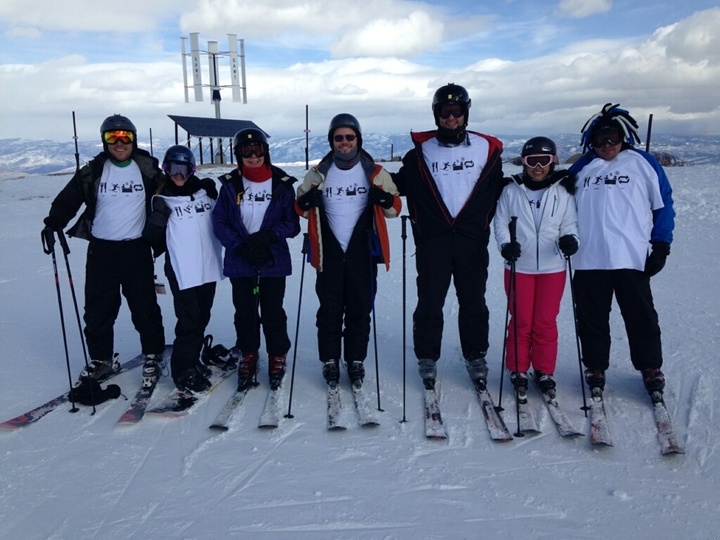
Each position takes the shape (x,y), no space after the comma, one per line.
(116,187)
(452,180)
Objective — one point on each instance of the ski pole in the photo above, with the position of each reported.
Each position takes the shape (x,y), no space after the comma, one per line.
(577,334)
(499,407)
(373,283)
(513,292)
(256,294)
(66,252)
(48,242)
(297,323)
(404,311)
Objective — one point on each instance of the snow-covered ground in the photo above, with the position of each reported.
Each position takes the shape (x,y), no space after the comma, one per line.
(77,476)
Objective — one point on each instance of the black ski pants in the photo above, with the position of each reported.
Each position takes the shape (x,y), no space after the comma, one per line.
(346,291)
(271,316)
(594,291)
(112,268)
(464,260)
(192,310)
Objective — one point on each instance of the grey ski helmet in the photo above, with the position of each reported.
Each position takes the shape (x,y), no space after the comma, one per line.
(348,121)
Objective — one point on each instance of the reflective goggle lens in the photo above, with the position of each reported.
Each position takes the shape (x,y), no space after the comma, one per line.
(614,140)
(250,150)
(538,160)
(179,169)
(349,137)
(125,137)
(456,111)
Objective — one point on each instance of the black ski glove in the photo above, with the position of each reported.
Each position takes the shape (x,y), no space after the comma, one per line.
(381,198)
(510,251)
(312,199)
(656,260)
(261,239)
(53,222)
(568,245)
(256,257)
(208,184)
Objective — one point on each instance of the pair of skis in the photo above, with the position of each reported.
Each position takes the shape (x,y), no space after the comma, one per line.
(600,428)
(269,419)
(366,413)
(33,415)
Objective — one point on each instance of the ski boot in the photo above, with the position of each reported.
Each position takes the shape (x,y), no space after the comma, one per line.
(545,383)
(331,372)
(152,369)
(100,369)
(654,381)
(595,379)
(191,381)
(478,371)
(276,370)
(519,381)
(356,372)
(428,372)
(247,370)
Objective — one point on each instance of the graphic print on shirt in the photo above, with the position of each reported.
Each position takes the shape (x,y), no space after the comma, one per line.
(191,208)
(611,178)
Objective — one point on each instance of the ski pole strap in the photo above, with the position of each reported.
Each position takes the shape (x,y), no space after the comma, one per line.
(48,240)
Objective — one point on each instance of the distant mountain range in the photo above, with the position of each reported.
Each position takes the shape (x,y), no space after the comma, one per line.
(47,157)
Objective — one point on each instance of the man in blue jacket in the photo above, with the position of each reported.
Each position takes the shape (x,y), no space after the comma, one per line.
(625,224)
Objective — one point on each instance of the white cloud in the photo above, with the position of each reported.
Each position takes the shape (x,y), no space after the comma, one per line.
(582,8)
(385,37)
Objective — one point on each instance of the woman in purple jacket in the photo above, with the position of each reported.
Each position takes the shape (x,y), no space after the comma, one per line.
(253,219)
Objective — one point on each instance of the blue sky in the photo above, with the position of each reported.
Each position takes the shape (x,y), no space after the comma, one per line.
(530,67)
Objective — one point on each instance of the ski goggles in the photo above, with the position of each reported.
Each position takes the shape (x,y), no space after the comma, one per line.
(125,137)
(454,110)
(177,169)
(348,137)
(612,140)
(250,150)
(538,160)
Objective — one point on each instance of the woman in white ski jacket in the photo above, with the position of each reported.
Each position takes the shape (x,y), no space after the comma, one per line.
(541,200)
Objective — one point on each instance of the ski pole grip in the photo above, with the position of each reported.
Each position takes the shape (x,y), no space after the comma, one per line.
(48,240)
(513,228)
(63,242)
(404,219)
(305,244)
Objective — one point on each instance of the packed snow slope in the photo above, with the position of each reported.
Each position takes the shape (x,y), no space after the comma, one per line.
(82,476)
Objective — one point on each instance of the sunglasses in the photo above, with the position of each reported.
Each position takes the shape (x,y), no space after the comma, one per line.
(251,150)
(349,137)
(125,137)
(538,160)
(601,142)
(456,111)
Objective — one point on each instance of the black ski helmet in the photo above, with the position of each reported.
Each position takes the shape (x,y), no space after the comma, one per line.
(117,122)
(348,121)
(451,93)
(179,154)
(250,136)
(539,145)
